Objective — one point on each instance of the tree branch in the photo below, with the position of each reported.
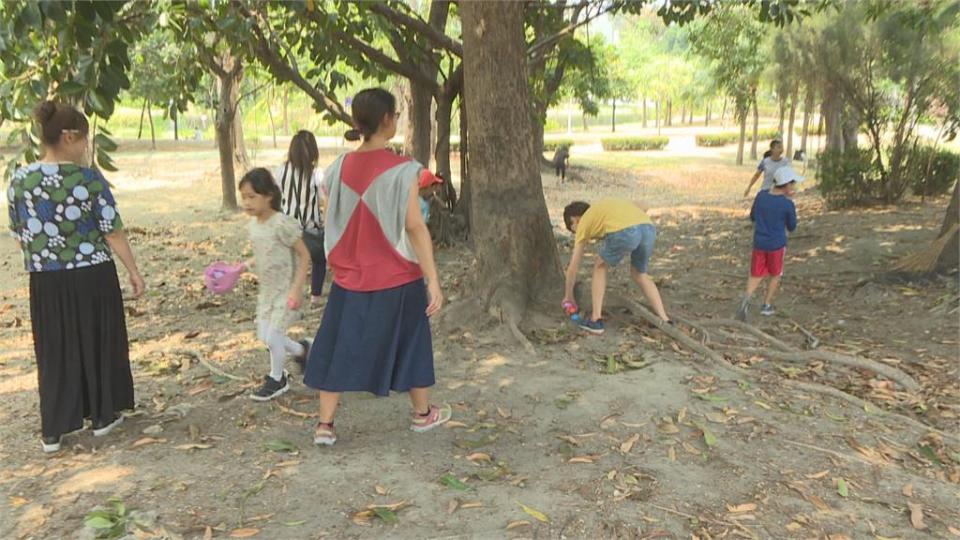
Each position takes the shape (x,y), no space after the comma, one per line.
(419,26)
(282,70)
(539,48)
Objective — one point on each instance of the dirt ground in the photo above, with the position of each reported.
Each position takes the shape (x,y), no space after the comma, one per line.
(629,435)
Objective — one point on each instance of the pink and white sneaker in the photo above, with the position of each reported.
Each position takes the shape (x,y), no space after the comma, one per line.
(435,417)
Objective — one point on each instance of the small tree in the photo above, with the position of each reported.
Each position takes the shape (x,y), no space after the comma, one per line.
(729,39)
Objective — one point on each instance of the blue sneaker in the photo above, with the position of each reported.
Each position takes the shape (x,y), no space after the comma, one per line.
(594,327)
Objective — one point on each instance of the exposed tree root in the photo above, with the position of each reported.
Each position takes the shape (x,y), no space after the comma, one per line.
(750,329)
(814,388)
(890,372)
(203,362)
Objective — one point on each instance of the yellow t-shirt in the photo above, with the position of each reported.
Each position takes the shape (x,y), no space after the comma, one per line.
(609,216)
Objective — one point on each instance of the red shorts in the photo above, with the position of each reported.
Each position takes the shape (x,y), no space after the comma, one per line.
(767,263)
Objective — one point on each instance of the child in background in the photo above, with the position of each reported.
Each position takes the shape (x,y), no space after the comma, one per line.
(773,214)
(624,229)
(301,199)
(428,183)
(772,161)
(282,261)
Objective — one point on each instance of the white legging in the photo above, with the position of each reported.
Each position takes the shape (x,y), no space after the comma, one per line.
(280,346)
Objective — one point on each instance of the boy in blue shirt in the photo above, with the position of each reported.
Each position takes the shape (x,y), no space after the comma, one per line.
(773,214)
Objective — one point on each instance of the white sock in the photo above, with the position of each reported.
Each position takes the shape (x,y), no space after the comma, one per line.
(278,355)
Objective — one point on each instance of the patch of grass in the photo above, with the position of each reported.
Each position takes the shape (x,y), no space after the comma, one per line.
(613,144)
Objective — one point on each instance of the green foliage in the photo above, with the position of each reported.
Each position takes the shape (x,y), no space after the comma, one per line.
(551,145)
(729,39)
(731,137)
(112,521)
(847,178)
(932,171)
(73,51)
(613,144)
(165,71)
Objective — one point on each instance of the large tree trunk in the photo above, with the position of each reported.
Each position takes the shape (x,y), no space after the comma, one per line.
(950,256)
(463,205)
(657,112)
(756,128)
(143,114)
(668,118)
(224,126)
(176,123)
(807,113)
(792,120)
(831,121)
(781,112)
(613,117)
(418,137)
(153,135)
(516,253)
(743,137)
(644,100)
(286,119)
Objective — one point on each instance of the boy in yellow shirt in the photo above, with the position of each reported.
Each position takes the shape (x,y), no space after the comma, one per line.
(623,228)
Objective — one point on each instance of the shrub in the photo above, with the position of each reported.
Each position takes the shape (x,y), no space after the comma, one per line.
(731,137)
(634,143)
(931,171)
(551,145)
(848,178)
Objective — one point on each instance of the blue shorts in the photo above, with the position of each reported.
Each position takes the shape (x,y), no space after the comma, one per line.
(637,241)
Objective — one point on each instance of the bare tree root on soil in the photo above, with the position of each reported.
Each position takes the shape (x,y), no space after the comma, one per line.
(681,337)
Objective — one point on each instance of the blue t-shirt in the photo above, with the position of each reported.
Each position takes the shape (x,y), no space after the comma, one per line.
(773,215)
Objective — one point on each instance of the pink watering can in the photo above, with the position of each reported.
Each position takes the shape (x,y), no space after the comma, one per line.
(221,277)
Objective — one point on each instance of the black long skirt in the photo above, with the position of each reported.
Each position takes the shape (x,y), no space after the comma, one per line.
(80,340)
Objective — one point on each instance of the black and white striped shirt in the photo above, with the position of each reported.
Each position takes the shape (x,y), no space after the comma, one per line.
(300,197)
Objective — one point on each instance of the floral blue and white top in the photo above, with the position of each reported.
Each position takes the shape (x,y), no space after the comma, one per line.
(61,213)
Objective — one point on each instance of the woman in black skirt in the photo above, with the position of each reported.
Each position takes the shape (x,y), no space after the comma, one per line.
(66,222)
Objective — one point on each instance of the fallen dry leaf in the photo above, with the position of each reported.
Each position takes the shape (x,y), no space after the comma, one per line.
(627,445)
(668,427)
(452,507)
(837,536)
(193,446)
(916,516)
(452,424)
(479,457)
(534,513)
(143,441)
(17,502)
(503,412)
(244,533)
(741,508)
(208,533)
(202,387)
(682,415)
(471,504)
(567,438)
(672,453)
(517,524)
(581,459)
(609,420)
(908,490)
(380,490)
(691,449)
(793,526)
(954,531)
(818,475)
(717,418)
(818,502)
